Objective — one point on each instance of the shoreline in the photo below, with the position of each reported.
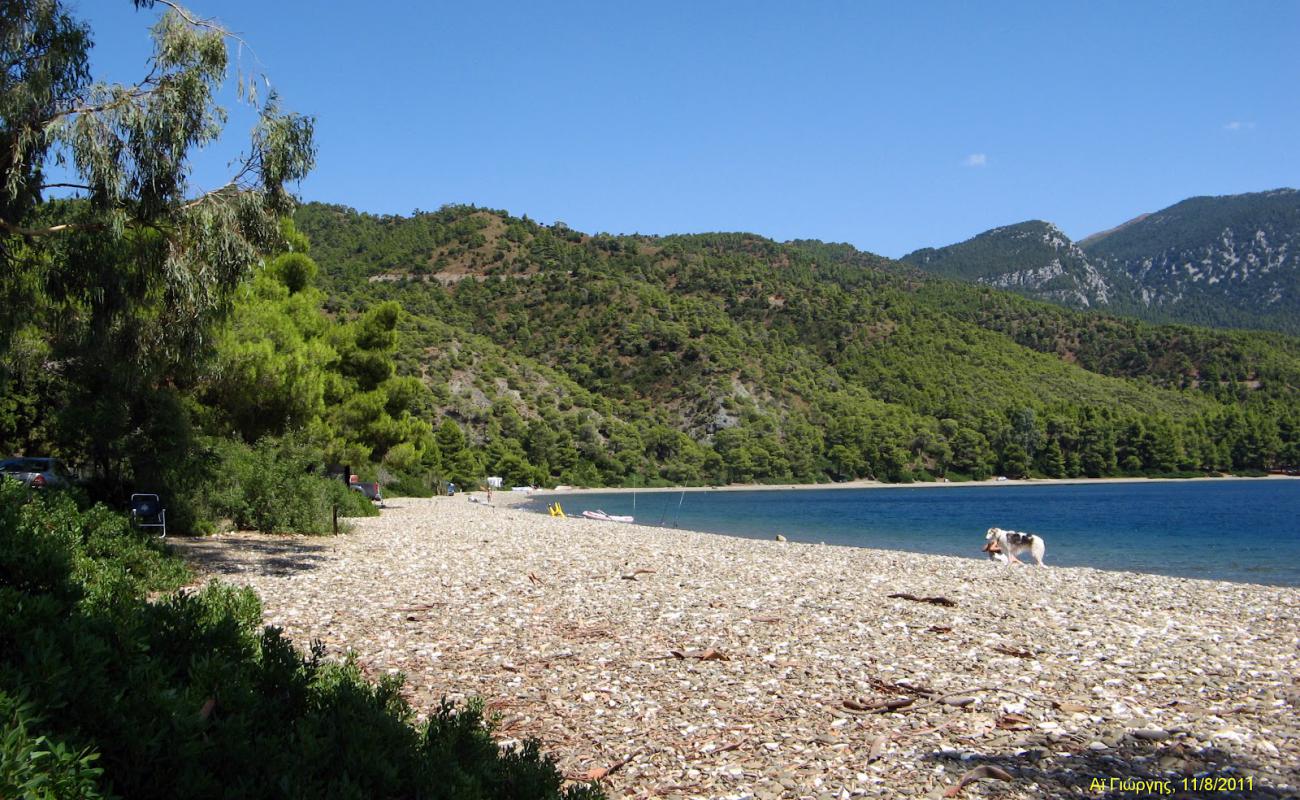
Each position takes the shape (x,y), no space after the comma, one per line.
(1146,563)
(506,498)
(676,663)
(869,484)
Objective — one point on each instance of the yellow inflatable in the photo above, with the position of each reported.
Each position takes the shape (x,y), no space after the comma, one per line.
(555,510)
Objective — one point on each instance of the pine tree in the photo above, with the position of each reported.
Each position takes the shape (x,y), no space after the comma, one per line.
(1052,460)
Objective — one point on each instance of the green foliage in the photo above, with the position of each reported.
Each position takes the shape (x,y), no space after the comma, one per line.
(295,270)
(275,486)
(1197,220)
(1015,461)
(110,301)
(103,693)
(129,148)
(48,547)
(270,370)
(1220,261)
(1052,461)
(39,767)
(1021,248)
(283,365)
(697,359)
(139,340)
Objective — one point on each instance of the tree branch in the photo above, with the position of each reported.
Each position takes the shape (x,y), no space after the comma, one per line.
(203,198)
(211,24)
(185,15)
(19,230)
(233,183)
(134,93)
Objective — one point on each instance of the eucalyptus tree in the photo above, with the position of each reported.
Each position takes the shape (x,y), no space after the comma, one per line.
(126,149)
(113,268)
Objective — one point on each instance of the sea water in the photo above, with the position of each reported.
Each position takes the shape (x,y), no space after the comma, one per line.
(1234,530)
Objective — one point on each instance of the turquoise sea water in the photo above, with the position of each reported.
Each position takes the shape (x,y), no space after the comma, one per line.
(1231,530)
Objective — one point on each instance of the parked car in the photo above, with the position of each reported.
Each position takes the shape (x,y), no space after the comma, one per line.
(370,490)
(37,472)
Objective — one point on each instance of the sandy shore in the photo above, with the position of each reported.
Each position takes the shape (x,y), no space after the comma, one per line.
(515,499)
(678,664)
(867,484)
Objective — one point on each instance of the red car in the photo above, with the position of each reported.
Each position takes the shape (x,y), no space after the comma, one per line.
(370,490)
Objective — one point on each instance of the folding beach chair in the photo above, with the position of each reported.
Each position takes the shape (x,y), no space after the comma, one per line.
(147,512)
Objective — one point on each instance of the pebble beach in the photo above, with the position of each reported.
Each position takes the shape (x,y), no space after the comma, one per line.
(668,663)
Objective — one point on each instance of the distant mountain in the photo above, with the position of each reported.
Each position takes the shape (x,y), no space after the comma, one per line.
(1032,258)
(1231,261)
(1096,237)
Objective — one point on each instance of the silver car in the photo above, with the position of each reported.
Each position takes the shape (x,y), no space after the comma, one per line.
(37,473)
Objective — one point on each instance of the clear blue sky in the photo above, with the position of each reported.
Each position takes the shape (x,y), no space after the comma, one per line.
(891,126)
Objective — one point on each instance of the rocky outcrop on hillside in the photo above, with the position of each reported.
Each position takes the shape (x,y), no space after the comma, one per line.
(1230,261)
(1032,258)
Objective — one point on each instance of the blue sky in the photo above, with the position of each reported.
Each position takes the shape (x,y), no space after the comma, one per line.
(889,126)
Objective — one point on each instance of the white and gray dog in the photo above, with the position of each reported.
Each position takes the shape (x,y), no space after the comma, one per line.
(1005,546)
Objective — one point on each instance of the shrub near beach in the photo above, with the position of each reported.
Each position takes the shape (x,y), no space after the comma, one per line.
(104,693)
(274,486)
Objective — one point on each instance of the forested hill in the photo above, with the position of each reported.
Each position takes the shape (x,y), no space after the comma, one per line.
(1227,261)
(1033,258)
(1230,261)
(729,357)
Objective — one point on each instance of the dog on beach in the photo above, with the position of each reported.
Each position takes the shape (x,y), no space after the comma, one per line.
(1006,546)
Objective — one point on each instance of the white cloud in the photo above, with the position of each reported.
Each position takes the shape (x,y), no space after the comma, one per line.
(976,160)
(1238,125)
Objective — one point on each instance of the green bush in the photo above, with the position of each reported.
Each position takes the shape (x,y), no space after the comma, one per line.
(295,270)
(350,502)
(104,693)
(276,486)
(34,766)
(405,485)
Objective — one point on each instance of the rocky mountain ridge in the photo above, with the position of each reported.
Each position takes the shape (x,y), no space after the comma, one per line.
(1231,261)
(1033,258)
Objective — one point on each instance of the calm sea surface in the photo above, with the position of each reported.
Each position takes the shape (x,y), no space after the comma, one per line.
(1231,530)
